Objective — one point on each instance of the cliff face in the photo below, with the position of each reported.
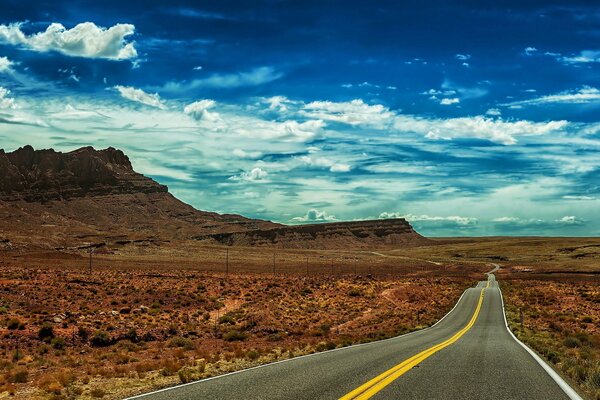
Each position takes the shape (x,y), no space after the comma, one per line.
(337,235)
(95,196)
(43,175)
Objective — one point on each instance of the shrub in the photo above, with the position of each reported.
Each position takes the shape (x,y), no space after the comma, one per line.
(234,335)
(185,375)
(179,341)
(46,332)
(97,393)
(571,342)
(101,339)
(14,324)
(354,292)
(20,376)
(58,343)
(252,355)
(322,346)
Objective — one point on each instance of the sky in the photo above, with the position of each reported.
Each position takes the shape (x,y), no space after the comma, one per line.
(466,118)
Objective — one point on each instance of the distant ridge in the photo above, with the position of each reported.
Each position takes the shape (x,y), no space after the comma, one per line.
(90,197)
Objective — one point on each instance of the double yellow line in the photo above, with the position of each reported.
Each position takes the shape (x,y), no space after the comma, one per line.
(369,389)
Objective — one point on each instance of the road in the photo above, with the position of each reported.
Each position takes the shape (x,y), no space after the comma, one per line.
(468,355)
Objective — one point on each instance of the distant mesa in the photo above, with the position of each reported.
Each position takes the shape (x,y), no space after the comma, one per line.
(90,197)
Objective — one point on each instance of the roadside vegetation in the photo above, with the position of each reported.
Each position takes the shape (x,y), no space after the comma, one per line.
(118,332)
(561,321)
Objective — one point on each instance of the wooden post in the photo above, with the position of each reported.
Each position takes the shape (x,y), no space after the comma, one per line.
(227,261)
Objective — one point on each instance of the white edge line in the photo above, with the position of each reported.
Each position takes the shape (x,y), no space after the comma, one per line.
(299,357)
(569,391)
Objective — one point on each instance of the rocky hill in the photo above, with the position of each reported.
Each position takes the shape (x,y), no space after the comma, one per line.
(91,197)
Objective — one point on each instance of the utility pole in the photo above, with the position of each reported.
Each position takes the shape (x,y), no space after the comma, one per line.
(91,251)
(306,265)
(227,261)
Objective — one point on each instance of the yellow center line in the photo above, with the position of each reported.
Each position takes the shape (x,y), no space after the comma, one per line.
(369,389)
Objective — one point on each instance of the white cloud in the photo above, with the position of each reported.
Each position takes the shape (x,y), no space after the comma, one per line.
(199,110)
(579,198)
(454,219)
(585,94)
(585,57)
(5,101)
(255,174)
(5,64)
(138,95)
(254,77)
(315,216)
(355,112)
(570,220)
(278,103)
(495,112)
(84,40)
(450,101)
(246,154)
(462,57)
(326,163)
(495,130)
(530,50)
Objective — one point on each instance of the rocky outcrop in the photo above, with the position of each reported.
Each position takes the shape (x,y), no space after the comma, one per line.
(42,175)
(337,235)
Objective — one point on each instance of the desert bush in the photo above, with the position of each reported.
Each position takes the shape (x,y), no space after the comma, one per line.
(252,355)
(14,324)
(46,332)
(185,374)
(101,339)
(182,342)
(58,343)
(20,375)
(234,335)
(97,393)
(571,342)
(322,346)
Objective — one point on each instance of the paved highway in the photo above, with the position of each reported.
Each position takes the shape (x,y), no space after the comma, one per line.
(468,355)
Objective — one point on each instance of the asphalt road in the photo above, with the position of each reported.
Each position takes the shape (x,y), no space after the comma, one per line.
(484,363)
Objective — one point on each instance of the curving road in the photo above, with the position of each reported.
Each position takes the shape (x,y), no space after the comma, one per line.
(442,362)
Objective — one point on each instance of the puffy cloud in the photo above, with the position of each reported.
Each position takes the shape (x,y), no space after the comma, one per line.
(462,57)
(314,216)
(325,162)
(255,77)
(255,174)
(5,64)
(585,94)
(199,110)
(355,112)
(84,40)
(450,101)
(138,95)
(453,219)
(494,112)
(529,51)
(570,220)
(5,101)
(246,154)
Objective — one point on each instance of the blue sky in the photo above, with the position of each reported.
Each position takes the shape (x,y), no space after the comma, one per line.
(467,118)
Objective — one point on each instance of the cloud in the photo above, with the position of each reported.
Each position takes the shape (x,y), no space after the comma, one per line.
(453,219)
(246,154)
(84,40)
(255,77)
(314,216)
(5,64)
(278,103)
(529,51)
(355,112)
(539,223)
(199,110)
(494,112)
(495,130)
(255,174)
(586,94)
(5,101)
(326,163)
(138,95)
(449,101)
(585,57)
(462,57)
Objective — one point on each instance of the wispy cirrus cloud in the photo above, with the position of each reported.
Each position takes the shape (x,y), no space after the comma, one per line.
(83,40)
(254,77)
(585,94)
